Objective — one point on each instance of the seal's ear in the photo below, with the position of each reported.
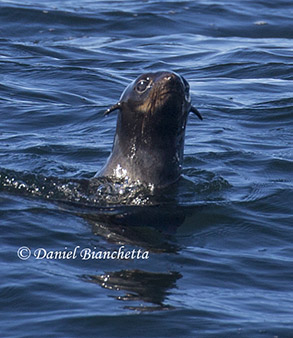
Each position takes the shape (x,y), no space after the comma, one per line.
(196,112)
(115,107)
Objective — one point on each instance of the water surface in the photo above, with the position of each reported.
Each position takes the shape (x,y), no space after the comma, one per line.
(220,246)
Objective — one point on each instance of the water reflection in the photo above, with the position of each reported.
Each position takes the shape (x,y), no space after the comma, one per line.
(151,229)
(147,227)
(139,286)
(139,220)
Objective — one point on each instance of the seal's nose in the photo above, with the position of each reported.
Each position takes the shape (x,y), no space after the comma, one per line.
(170,82)
(170,78)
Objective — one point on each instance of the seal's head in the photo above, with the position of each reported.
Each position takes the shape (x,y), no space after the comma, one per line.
(149,140)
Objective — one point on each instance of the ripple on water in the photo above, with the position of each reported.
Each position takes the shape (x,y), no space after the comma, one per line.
(225,271)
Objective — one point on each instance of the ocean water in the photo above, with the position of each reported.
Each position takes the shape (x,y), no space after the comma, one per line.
(216,256)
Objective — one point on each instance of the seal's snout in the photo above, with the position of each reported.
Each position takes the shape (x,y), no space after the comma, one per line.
(170,83)
(170,79)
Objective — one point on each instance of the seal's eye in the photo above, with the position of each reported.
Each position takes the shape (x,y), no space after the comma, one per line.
(142,86)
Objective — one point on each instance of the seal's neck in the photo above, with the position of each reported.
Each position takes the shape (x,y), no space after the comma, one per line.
(147,150)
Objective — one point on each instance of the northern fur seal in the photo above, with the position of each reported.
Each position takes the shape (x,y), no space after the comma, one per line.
(149,140)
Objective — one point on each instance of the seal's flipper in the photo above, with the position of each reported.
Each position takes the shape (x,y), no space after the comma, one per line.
(196,112)
(115,107)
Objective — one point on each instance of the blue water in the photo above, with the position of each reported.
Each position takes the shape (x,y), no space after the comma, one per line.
(220,246)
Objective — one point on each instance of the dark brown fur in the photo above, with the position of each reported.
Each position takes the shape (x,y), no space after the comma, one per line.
(149,140)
